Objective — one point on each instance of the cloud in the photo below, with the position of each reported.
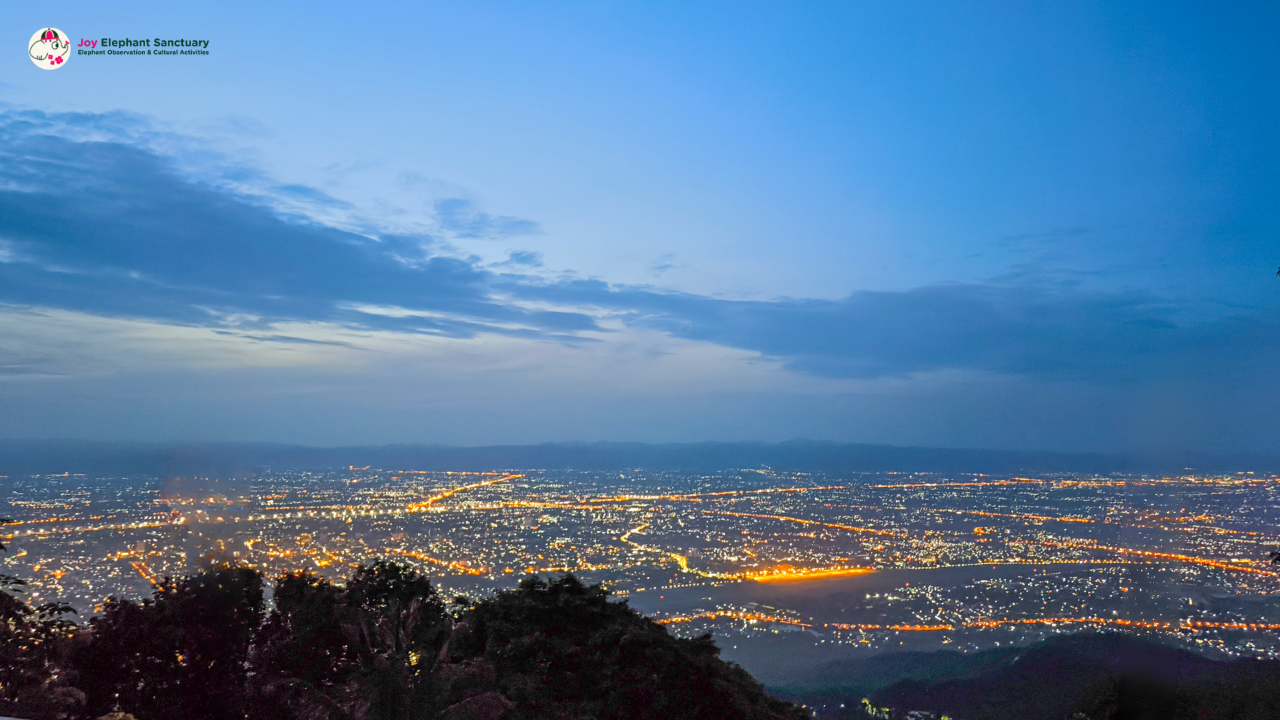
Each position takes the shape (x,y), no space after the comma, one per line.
(1035,329)
(521,258)
(663,264)
(95,219)
(107,227)
(463,219)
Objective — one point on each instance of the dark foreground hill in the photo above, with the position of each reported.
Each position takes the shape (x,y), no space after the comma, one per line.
(1098,676)
(383,646)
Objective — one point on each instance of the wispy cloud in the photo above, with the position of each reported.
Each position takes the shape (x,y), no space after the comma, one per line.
(521,258)
(463,219)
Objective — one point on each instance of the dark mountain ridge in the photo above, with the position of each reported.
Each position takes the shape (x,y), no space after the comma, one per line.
(21,457)
(1089,673)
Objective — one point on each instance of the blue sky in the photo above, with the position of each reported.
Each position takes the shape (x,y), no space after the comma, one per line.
(1006,225)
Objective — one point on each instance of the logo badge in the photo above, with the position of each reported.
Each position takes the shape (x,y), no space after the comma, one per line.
(49,48)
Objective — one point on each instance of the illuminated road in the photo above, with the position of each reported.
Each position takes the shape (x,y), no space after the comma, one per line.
(1209,562)
(802,521)
(1183,625)
(421,506)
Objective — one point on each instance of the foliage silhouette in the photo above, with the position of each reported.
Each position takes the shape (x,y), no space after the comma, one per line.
(382,646)
(33,641)
(1137,696)
(560,649)
(179,654)
(359,651)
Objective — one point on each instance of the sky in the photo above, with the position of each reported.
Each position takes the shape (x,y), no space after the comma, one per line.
(1003,225)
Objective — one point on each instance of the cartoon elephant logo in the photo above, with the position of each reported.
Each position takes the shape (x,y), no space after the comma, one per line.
(49,48)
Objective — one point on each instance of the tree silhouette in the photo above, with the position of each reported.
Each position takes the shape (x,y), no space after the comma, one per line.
(32,649)
(179,654)
(365,650)
(562,649)
(381,646)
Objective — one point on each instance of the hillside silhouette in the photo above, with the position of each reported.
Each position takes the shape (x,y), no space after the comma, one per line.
(381,646)
(1086,676)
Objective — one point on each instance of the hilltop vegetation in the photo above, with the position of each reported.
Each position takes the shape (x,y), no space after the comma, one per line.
(382,646)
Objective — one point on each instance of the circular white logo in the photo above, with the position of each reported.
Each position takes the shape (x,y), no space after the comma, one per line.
(49,48)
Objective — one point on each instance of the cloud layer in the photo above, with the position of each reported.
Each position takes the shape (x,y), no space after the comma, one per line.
(98,220)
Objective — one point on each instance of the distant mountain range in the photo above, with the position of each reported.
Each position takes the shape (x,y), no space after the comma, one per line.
(1101,675)
(19,457)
